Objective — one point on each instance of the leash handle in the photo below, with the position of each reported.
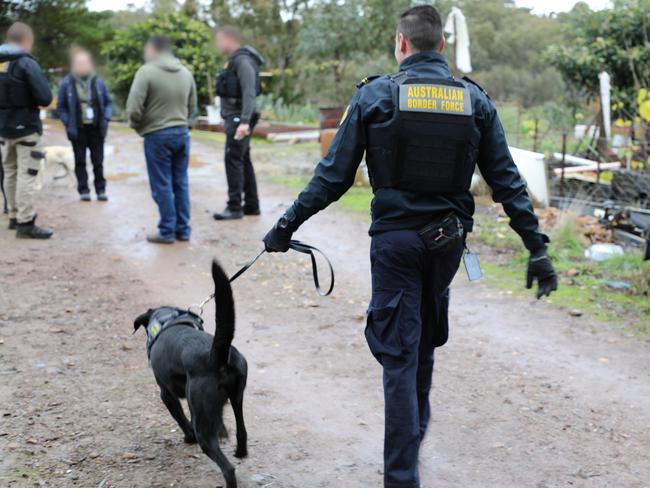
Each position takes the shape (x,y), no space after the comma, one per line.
(303,248)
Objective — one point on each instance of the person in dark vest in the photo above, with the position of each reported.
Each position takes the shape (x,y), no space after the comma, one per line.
(85,108)
(238,84)
(23,89)
(423,132)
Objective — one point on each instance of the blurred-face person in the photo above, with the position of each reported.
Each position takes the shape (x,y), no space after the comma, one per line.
(238,84)
(150,52)
(228,40)
(160,106)
(81,64)
(23,89)
(22,36)
(157,46)
(85,108)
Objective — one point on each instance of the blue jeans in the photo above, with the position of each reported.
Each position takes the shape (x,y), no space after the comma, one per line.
(407,320)
(167,152)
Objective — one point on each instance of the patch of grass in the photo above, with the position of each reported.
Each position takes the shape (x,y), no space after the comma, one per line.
(206,135)
(357,199)
(495,232)
(586,293)
(292,182)
(584,285)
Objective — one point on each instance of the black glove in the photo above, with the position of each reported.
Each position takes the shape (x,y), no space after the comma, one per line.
(540,268)
(279,237)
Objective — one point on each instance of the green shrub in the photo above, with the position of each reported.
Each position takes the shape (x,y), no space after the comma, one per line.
(192,45)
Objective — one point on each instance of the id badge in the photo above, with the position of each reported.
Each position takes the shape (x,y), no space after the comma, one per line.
(90,113)
(472,266)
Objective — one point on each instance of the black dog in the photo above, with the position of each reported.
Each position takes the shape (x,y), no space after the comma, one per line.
(208,371)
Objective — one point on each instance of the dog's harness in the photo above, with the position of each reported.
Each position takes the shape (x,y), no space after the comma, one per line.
(166,317)
(297,246)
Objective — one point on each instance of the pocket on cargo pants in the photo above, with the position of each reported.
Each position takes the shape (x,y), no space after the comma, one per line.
(29,155)
(383,330)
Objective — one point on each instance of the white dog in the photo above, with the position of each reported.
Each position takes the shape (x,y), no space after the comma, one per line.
(55,157)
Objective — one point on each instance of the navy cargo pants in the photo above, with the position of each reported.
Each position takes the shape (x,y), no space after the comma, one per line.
(407,319)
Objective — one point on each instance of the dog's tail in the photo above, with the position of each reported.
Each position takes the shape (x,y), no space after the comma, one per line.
(64,175)
(225,317)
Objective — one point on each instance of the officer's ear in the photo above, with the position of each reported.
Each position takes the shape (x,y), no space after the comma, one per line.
(402,43)
(443,43)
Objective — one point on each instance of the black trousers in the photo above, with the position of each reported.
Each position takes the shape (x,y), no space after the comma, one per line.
(407,320)
(239,168)
(89,138)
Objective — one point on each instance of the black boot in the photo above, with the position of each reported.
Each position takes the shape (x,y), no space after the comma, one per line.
(252,211)
(229,214)
(30,230)
(13,223)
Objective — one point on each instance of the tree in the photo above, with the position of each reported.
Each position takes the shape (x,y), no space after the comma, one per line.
(57,24)
(616,41)
(269,25)
(192,45)
(382,16)
(333,37)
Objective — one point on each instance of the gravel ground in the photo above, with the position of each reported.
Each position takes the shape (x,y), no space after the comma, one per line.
(525,395)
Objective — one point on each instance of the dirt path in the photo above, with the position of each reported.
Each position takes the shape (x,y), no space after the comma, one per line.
(524,396)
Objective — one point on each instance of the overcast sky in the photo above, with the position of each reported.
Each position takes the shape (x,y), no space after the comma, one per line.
(539,7)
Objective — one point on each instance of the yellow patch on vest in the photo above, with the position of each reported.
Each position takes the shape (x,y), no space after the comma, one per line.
(442,99)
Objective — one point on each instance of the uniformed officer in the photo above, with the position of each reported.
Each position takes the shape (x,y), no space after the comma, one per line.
(238,84)
(23,88)
(423,131)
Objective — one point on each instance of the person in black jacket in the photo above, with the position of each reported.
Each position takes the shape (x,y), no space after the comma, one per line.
(85,108)
(23,89)
(238,84)
(423,132)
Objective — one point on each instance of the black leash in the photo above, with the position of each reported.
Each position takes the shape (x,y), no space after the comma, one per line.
(246,267)
(297,246)
(303,248)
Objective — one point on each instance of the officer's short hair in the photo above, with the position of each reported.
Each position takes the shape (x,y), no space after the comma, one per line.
(422,26)
(230,31)
(162,44)
(18,32)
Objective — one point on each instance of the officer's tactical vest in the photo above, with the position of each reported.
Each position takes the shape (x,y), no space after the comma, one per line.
(430,145)
(14,93)
(228,83)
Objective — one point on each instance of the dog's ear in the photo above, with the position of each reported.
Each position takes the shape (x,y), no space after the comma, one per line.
(142,319)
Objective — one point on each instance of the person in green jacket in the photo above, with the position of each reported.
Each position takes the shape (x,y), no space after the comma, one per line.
(160,106)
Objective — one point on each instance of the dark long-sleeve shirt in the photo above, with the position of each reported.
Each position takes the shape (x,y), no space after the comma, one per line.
(22,121)
(397,209)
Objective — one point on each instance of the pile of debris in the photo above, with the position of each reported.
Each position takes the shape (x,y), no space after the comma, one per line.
(589,227)
(592,230)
